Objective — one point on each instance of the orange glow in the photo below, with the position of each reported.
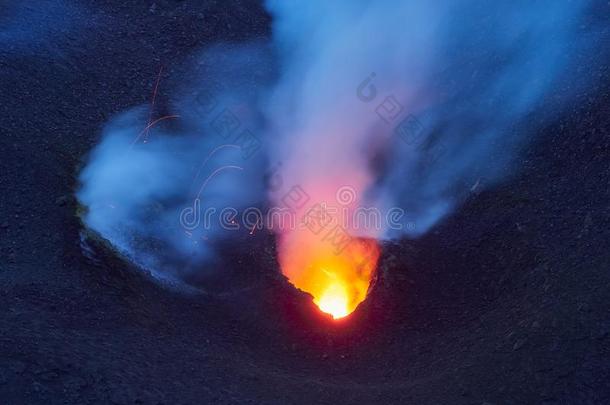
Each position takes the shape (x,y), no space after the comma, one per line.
(334,301)
(338,279)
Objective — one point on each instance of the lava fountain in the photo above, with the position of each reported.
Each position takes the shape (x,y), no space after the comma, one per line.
(393,107)
(338,279)
(326,252)
(325,168)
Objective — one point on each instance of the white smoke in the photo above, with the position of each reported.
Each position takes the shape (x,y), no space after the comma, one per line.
(404,101)
(411,101)
(146,190)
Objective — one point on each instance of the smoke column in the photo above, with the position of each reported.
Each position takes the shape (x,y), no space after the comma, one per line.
(147,192)
(399,104)
(406,101)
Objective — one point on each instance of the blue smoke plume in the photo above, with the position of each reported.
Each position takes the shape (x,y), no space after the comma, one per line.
(413,99)
(438,95)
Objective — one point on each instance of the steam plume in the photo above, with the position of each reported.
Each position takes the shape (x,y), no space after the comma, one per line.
(409,102)
(404,102)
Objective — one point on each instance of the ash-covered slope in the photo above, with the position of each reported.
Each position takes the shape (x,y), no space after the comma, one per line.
(506,302)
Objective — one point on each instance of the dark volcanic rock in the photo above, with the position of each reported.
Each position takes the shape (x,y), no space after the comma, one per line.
(505,302)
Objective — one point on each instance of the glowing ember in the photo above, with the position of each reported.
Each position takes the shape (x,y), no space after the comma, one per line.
(334,301)
(338,280)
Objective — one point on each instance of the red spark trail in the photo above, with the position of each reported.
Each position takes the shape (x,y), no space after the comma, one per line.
(252,231)
(165,117)
(208,158)
(152,104)
(213,174)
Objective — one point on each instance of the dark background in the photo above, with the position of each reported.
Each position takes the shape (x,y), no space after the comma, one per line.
(506,302)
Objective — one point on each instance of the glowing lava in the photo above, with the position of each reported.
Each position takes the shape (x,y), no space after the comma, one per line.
(334,301)
(338,277)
